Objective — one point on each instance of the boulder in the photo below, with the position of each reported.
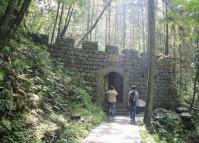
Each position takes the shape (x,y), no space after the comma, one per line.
(182,109)
(186,116)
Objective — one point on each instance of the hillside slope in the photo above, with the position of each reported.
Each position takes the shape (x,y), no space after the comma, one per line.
(40,100)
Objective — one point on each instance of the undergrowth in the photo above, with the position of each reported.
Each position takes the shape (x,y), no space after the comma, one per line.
(168,127)
(51,97)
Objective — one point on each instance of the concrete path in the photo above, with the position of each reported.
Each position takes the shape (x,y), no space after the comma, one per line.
(118,131)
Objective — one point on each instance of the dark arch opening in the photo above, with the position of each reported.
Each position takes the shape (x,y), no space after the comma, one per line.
(115,79)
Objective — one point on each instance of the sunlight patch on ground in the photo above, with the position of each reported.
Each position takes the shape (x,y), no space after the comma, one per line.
(118,131)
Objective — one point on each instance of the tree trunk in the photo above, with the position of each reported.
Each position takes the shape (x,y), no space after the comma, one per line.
(91,20)
(124,26)
(167,34)
(180,54)
(115,29)
(143,29)
(106,29)
(197,74)
(96,29)
(51,41)
(174,50)
(66,21)
(138,10)
(109,24)
(131,30)
(93,26)
(60,20)
(11,20)
(194,90)
(88,18)
(67,25)
(151,71)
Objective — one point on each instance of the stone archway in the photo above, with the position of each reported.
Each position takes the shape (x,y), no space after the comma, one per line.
(111,75)
(116,80)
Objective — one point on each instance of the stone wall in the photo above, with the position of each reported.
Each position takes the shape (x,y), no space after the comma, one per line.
(93,65)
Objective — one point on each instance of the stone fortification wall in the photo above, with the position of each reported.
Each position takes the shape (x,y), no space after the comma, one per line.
(93,65)
(90,64)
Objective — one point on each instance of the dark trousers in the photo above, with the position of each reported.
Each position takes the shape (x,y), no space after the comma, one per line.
(132,111)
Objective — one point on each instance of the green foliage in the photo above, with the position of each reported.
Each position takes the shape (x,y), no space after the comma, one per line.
(3,5)
(1,75)
(61,93)
(6,124)
(167,127)
(6,101)
(14,129)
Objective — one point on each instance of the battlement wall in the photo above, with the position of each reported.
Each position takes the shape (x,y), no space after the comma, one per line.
(93,65)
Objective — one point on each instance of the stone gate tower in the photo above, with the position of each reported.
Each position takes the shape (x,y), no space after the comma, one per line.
(102,69)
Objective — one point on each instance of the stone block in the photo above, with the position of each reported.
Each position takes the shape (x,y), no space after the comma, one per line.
(110,49)
(39,38)
(90,46)
(66,43)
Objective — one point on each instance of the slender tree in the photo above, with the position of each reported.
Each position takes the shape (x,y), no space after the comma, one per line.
(60,21)
(143,29)
(151,71)
(88,18)
(91,19)
(167,33)
(116,24)
(67,20)
(196,80)
(53,33)
(106,28)
(109,24)
(11,19)
(124,25)
(93,26)
(96,28)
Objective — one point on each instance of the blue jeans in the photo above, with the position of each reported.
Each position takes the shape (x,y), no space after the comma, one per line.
(112,109)
(132,111)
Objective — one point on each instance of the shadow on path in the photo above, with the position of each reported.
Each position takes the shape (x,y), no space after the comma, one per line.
(120,130)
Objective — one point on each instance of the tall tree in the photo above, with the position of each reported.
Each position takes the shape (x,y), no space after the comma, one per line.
(124,25)
(196,80)
(106,28)
(60,21)
(11,19)
(167,32)
(88,18)
(53,33)
(143,29)
(93,26)
(116,24)
(67,20)
(109,24)
(151,71)
(91,19)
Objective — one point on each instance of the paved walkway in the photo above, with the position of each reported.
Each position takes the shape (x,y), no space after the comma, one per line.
(118,131)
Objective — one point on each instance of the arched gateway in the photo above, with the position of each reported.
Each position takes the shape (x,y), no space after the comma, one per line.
(112,76)
(100,69)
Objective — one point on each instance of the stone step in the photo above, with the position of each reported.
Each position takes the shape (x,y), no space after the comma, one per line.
(121,109)
(122,113)
(125,111)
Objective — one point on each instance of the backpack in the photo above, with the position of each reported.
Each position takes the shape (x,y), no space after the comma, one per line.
(132,98)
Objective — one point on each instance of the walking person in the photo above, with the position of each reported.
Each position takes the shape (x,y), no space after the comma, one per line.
(111,94)
(132,99)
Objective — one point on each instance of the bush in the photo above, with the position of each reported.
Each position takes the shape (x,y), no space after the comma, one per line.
(168,126)
(60,92)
